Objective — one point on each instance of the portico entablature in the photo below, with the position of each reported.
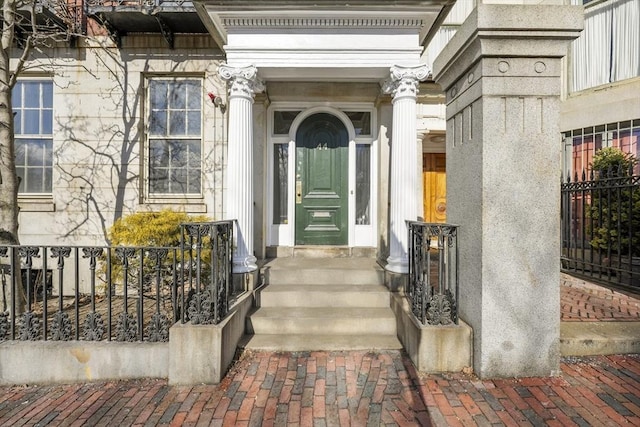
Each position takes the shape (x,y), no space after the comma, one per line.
(321,40)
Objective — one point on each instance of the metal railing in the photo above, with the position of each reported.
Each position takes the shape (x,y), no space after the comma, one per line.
(432,288)
(600,227)
(96,293)
(143,4)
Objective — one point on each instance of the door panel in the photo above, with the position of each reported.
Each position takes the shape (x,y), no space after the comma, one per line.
(321,181)
(435,187)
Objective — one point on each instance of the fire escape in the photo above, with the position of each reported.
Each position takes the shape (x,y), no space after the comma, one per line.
(168,17)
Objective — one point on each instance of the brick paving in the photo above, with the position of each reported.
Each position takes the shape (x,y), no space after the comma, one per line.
(581,301)
(342,389)
(360,389)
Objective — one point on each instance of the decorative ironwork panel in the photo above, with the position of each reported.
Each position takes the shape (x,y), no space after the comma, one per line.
(158,329)
(432,288)
(93,329)
(61,327)
(29,327)
(4,326)
(126,328)
(199,310)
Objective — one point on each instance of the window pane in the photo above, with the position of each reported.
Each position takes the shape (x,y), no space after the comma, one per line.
(48,177)
(361,121)
(158,153)
(35,153)
(158,182)
(158,123)
(47,94)
(17,121)
(20,175)
(194,95)
(31,94)
(158,94)
(31,122)
(20,153)
(193,120)
(47,122)
(280,183)
(178,182)
(363,184)
(177,96)
(177,125)
(34,180)
(16,95)
(194,182)
(282,121)
(194,154)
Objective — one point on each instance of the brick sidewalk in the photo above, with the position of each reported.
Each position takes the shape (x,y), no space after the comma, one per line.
(342,389)
(582,301)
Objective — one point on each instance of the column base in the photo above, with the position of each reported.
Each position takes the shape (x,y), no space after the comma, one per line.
(397,265)
(244,264)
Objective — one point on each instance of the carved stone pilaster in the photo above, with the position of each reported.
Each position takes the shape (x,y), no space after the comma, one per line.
(243,85)
(403,85)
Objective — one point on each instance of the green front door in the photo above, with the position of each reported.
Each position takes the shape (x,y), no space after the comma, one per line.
(322,153)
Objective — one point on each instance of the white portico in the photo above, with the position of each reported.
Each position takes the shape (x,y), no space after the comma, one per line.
(325,157)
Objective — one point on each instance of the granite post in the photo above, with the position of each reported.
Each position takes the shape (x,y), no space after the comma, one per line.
(502,77)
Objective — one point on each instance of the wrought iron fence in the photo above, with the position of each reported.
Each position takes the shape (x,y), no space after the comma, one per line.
(96,293)
(432,289)
(600,227)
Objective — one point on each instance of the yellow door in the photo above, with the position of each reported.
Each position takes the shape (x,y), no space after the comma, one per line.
(434,178)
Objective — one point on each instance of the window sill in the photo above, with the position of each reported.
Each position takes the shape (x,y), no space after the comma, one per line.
(36,204)
(186,205)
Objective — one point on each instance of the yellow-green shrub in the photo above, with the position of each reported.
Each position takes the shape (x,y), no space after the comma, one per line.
(153,230)
(159,229)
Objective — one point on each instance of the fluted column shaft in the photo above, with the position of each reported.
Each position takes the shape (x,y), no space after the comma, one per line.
(243,85)
(403,85)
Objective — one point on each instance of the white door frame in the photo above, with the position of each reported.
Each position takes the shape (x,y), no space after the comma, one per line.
(284,234)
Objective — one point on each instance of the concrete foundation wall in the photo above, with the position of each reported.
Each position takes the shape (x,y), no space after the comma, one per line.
(201,354)
(195,354)
(47,362)
(432,348)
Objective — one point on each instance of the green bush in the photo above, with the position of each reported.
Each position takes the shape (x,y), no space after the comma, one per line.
(614,211)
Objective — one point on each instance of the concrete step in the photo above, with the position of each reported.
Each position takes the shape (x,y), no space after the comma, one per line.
(324,276)
(321,321)
(323,271)
(324,296)
(305,342)
(597,338)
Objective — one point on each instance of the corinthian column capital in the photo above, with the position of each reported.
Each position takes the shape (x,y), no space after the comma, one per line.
(243,81)
(404,81)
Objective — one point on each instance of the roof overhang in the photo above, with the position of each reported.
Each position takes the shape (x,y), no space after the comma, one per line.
(323,39)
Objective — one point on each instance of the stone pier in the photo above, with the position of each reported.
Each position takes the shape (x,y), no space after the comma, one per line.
(502,77)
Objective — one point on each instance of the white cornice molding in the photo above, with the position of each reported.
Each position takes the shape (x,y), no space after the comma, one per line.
(291,22)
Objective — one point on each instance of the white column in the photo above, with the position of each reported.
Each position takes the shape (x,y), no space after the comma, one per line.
(243,85)
(403,85)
